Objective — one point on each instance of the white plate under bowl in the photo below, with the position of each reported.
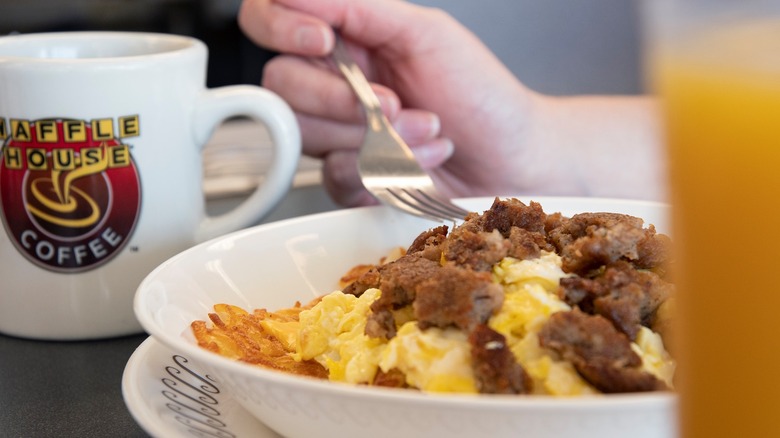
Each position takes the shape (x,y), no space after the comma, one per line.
(170,396)
(271,266)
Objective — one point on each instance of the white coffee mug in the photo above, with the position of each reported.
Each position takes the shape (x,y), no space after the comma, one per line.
(101,173)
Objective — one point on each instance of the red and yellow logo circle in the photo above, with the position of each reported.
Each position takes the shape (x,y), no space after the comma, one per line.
(70,194)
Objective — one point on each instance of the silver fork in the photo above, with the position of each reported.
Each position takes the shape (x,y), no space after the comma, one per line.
(385,163)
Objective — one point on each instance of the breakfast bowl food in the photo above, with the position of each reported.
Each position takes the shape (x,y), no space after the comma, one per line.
(273,266)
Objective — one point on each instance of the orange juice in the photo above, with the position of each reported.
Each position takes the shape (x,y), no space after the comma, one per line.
(721,94)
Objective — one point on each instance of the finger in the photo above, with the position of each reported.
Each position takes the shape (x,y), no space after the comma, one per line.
(419,129)
(278,27)
(342,181)
(310,87)
(417,126)
(373,23)
(322,136)
(434,153)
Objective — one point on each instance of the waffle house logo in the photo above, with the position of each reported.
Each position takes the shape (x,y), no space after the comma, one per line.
(70,194)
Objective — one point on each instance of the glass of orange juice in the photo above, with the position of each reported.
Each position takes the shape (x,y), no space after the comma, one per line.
(716,66)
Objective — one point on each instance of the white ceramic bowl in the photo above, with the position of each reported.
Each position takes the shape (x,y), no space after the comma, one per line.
(276,264)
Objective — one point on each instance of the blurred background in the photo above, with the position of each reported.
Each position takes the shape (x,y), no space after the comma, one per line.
(232,58)
(554,46)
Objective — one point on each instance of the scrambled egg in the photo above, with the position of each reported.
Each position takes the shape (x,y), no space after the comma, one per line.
(530,287)
(438,360)
(655,359)
(332,333)
(434,360)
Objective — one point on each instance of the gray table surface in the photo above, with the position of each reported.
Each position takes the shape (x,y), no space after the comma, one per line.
(65,389)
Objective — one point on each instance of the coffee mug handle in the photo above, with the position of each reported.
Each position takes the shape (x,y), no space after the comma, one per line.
(218,104)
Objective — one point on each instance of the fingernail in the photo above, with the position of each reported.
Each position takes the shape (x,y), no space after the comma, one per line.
(311,39)
(434,153)
(389,105)
(417,127)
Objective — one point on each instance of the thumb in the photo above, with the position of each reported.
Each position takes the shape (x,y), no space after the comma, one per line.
(305,26)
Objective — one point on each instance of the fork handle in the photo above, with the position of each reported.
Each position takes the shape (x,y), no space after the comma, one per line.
(357,80)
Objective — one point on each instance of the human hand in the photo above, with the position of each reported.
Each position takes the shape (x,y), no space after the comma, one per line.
(461,111)
(475,126)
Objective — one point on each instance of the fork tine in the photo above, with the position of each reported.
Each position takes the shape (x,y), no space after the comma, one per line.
(390,197)
(425,203)
(443,204)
